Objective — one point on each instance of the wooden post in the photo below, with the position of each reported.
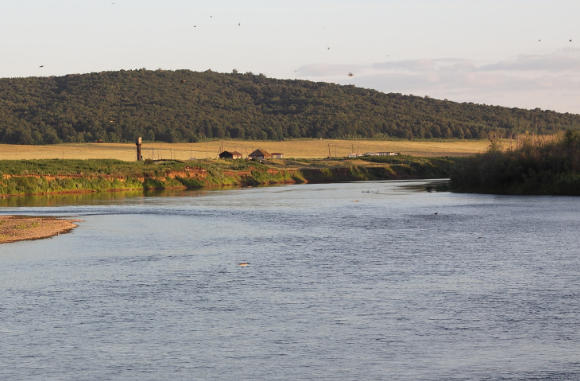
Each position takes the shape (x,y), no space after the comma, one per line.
(139,143)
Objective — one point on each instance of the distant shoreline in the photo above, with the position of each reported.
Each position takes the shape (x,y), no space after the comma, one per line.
(24,228)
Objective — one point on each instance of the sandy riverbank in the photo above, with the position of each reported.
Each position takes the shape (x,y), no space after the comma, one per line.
(21,228)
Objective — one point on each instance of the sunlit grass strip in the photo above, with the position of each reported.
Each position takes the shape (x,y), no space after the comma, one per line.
(309,149)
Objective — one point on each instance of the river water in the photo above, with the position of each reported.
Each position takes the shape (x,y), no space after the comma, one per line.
(352,281)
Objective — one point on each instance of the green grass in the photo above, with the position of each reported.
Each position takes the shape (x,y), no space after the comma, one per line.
(20,177)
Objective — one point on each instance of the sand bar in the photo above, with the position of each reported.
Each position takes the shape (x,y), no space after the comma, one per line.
(21,228)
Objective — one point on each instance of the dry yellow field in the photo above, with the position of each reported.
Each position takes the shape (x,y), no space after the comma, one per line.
(291,149)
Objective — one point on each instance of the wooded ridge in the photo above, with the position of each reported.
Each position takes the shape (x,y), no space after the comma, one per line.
(187,106)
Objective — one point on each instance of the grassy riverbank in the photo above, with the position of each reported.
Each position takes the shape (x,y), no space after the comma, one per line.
(536,166)
(33,177)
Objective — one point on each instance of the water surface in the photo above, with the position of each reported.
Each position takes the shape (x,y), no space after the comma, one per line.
(372,281)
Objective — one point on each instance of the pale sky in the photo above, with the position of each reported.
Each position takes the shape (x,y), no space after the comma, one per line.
(511,53)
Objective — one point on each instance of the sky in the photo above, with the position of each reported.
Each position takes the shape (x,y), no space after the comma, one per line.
(510,53)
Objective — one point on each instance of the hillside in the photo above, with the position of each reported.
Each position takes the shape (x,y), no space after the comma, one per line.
(186,106)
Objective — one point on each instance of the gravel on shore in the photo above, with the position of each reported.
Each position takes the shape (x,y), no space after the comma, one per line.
(21,228)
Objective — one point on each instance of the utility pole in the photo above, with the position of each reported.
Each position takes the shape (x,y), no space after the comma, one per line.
(139,143)
(329,151)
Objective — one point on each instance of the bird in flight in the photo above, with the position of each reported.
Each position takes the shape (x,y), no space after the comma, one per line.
(195,26)
(239,24)
(328,48)
(570,40)
(350,74)
(41,66)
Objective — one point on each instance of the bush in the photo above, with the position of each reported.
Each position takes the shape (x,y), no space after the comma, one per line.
(535,166)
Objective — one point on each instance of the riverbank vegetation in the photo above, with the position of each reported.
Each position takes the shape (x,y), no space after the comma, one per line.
(187,106)
(535,166)
(33,177)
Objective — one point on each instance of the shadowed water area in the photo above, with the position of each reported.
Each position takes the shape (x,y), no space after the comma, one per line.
(345,281)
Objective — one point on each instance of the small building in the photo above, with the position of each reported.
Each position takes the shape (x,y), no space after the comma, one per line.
(230,155)
(259,154)
(387,153)
(370,154)
(277,155)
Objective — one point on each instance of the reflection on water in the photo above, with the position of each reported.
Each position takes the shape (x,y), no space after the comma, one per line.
(96,198)
(67,199)
(370,281)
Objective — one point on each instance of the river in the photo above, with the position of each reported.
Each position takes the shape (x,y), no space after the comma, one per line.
(351,281)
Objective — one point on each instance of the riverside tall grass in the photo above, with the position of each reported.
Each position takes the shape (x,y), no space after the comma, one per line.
(535,166)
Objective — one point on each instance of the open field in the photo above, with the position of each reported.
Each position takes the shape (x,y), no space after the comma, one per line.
(309,149)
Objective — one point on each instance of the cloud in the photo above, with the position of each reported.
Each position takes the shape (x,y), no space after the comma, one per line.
(559,93)
(325,70)
(550,80)
(560,61)
(564,60)
(468,81)
(408,65)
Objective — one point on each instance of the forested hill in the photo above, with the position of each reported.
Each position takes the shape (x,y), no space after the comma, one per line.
(183,105)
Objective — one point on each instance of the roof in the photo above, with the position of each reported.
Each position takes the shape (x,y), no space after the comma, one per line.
(260,152)
(277,153)
(233,153)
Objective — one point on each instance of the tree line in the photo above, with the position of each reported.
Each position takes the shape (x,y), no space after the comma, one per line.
(187,106)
